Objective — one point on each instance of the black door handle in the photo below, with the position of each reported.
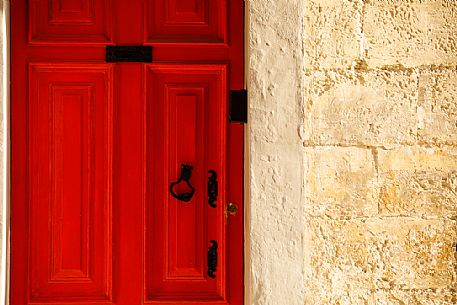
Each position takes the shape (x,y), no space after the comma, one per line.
(186,172)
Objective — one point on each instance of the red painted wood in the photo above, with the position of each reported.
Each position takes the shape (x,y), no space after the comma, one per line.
(95,147)
(69,182)
(69,21)
(190,21)
(187,124)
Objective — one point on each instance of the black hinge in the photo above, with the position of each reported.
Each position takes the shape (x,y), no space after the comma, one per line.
(212,188)
(128,54)
(239,106)
(212,259)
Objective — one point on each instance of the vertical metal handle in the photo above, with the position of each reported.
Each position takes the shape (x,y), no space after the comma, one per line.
(212,259)
(212,188)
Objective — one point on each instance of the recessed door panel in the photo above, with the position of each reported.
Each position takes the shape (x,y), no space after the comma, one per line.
(70,118)
(186,119)
(188,21)
(69,21)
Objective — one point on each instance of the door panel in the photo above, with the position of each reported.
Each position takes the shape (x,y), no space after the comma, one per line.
(69,21)
(69,178)
(186,117)
(192,21)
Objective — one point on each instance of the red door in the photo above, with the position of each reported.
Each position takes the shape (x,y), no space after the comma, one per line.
(122,172)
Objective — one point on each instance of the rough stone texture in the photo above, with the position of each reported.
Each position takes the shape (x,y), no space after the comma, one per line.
(277,218)
(437,107)
(353,147)
(340,183)
(355,259)
(3,175)
(410,32)
(360,108)
(331,29)
(418,182)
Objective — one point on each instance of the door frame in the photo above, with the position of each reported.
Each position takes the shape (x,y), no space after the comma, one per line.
(5,159)
(5,144)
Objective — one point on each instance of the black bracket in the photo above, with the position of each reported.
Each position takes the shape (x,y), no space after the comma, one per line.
(212,188)
(186,172)
(212,259)
(239,106)
(128,54)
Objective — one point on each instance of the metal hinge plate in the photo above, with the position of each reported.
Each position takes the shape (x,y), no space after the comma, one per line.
(238,106)
(212,259)
(128,54)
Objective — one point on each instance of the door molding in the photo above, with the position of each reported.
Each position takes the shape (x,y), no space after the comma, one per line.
(5,144)
(246,164)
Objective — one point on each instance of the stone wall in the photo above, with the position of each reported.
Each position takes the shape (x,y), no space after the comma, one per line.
(353,147)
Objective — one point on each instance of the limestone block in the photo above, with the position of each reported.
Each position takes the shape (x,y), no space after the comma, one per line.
(3,144)
(331,38)
(408,253)
(414,297)
(437,105)
(340,183)
(277,218)
(362,108)
(274,70)
(355,297)
(276,225)
(410,32)
(420,182)
(340,271)
(274,126)
(352,259)
(280,19)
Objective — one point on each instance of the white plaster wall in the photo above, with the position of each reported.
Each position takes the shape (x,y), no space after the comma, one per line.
(277,221)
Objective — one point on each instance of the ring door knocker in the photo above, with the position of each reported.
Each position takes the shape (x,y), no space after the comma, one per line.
(186,172)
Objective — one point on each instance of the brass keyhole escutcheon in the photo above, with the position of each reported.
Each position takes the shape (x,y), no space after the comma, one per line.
(232,209)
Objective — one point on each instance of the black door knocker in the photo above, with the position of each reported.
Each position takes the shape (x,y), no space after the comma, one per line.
(186,172)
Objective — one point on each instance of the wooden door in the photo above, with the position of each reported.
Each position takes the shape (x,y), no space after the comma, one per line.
(97,146)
